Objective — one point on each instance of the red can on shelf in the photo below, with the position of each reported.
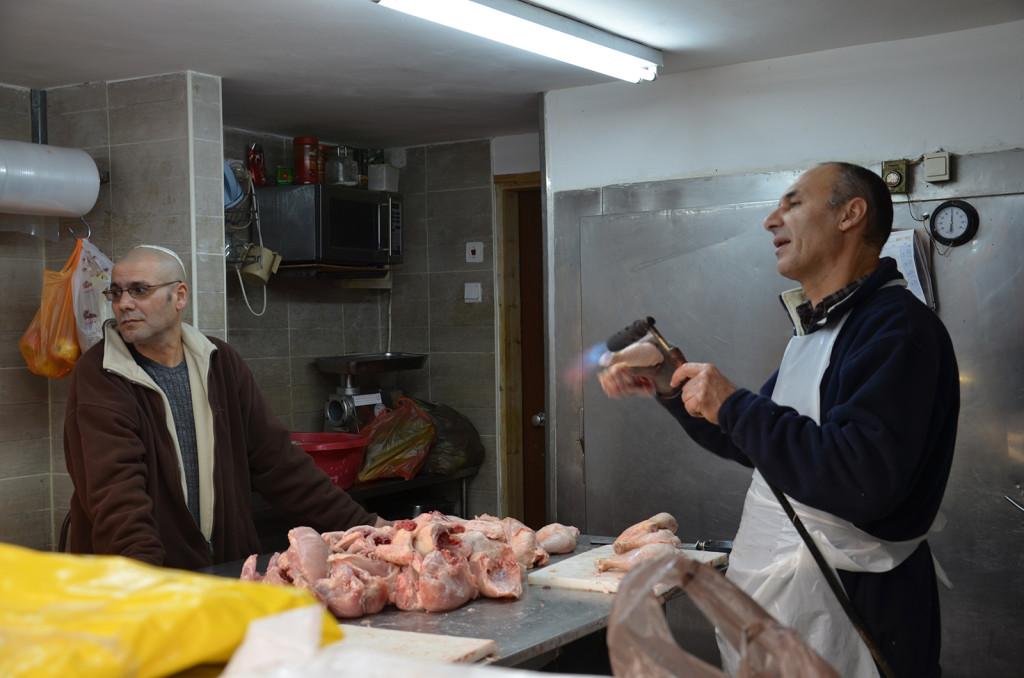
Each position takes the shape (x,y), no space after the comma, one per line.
(307,153)
(257,166)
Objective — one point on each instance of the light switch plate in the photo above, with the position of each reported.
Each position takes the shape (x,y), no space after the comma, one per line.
(474,252)
(936,167)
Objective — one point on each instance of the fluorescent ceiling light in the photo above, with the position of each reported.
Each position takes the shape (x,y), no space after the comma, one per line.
(536,30)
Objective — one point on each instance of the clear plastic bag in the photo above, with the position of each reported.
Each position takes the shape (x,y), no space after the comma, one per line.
(400,439)
(50,344)
(641,645)
(91,277)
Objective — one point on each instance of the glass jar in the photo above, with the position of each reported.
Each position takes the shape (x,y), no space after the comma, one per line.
(341,167)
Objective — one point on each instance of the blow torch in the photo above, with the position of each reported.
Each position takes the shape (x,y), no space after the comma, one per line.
(635,331)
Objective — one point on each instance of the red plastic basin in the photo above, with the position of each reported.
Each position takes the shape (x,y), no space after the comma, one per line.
(339,455)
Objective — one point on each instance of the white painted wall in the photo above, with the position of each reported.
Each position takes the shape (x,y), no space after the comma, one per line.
(962,92)
(515,154)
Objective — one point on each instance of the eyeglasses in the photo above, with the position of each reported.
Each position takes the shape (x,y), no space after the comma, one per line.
(135,291)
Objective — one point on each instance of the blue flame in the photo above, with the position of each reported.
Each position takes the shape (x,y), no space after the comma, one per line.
(592,357)
(588,363)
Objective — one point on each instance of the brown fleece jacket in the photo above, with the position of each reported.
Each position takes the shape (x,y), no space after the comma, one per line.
(123,460)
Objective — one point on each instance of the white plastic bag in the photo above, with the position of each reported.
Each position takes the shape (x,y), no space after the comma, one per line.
(91,277)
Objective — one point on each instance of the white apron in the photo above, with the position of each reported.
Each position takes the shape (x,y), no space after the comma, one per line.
(769,560)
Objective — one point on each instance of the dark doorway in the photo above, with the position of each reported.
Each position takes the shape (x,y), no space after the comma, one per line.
(531,299)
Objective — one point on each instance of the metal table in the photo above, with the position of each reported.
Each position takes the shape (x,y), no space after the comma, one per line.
(528,631)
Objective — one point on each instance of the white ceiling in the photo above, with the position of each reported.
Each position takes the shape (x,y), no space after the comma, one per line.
(351,71)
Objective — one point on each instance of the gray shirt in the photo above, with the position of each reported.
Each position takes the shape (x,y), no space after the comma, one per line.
(175,385)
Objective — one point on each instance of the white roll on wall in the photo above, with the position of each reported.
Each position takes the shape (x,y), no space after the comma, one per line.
(46,180)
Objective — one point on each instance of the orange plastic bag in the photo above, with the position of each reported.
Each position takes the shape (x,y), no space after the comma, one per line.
(400,440)
(50,344)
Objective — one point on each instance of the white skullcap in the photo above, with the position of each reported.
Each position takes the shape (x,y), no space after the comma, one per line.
(165,251)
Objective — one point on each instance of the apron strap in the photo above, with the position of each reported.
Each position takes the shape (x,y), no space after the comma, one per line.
(833,583)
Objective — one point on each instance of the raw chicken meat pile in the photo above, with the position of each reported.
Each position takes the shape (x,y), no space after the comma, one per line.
(434,562)
(648,539)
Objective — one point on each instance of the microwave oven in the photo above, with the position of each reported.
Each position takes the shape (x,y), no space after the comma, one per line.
(328,225)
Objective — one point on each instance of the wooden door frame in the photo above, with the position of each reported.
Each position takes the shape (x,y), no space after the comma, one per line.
(509,388)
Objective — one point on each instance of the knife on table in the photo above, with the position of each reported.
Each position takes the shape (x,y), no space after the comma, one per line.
(709,545)
(716,545)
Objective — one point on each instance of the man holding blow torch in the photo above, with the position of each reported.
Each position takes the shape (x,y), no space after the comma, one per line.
(856,427)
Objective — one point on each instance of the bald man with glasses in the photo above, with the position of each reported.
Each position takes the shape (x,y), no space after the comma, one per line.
(166,436)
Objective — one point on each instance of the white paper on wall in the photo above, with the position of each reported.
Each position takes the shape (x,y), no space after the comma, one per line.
(910,247)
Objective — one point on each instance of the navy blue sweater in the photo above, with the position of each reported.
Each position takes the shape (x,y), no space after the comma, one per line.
(880,457)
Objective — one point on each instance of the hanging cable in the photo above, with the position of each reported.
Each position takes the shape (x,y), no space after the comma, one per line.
(241,285)
(391,297)
(923,217)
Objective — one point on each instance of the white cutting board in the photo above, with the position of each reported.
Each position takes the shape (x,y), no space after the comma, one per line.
(580,573)
(426,646)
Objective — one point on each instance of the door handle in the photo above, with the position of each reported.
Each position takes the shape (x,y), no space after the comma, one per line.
(538,420)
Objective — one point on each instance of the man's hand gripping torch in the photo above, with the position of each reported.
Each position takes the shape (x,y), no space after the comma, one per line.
(639,359)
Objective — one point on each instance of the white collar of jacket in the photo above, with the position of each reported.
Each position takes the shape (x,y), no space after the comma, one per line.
(791,299)
(885,274)
(198,351)
(118,359)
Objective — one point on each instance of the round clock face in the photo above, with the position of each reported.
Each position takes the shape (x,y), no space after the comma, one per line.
(954,222)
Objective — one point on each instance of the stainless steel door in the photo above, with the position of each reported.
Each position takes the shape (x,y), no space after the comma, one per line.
(708,277)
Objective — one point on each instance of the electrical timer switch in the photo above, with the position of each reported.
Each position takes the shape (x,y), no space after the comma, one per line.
(894,174)
(936,167)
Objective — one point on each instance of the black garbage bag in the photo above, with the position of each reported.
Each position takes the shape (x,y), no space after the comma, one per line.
(457,444)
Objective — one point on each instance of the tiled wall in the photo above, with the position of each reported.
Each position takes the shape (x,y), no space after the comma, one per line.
(160,140)
(457,207)
(448,200)
(25,515)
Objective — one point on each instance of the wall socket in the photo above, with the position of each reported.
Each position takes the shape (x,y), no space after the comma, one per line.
(894,174)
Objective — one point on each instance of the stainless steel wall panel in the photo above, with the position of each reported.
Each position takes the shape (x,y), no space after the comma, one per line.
(982,546)
(566,498)
(701,275)
(696,192)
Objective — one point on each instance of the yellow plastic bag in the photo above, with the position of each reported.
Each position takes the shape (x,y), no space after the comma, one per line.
(50,344)
(109,616)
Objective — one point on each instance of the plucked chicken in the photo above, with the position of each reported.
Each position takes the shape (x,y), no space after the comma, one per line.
(660,521)
(432,563)
(630,559)
(661,536)
(649,539)
(557,538)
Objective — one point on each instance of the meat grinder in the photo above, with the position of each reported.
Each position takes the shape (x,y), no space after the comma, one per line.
(359,398)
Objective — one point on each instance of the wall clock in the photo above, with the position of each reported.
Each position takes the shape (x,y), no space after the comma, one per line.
(954,222)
